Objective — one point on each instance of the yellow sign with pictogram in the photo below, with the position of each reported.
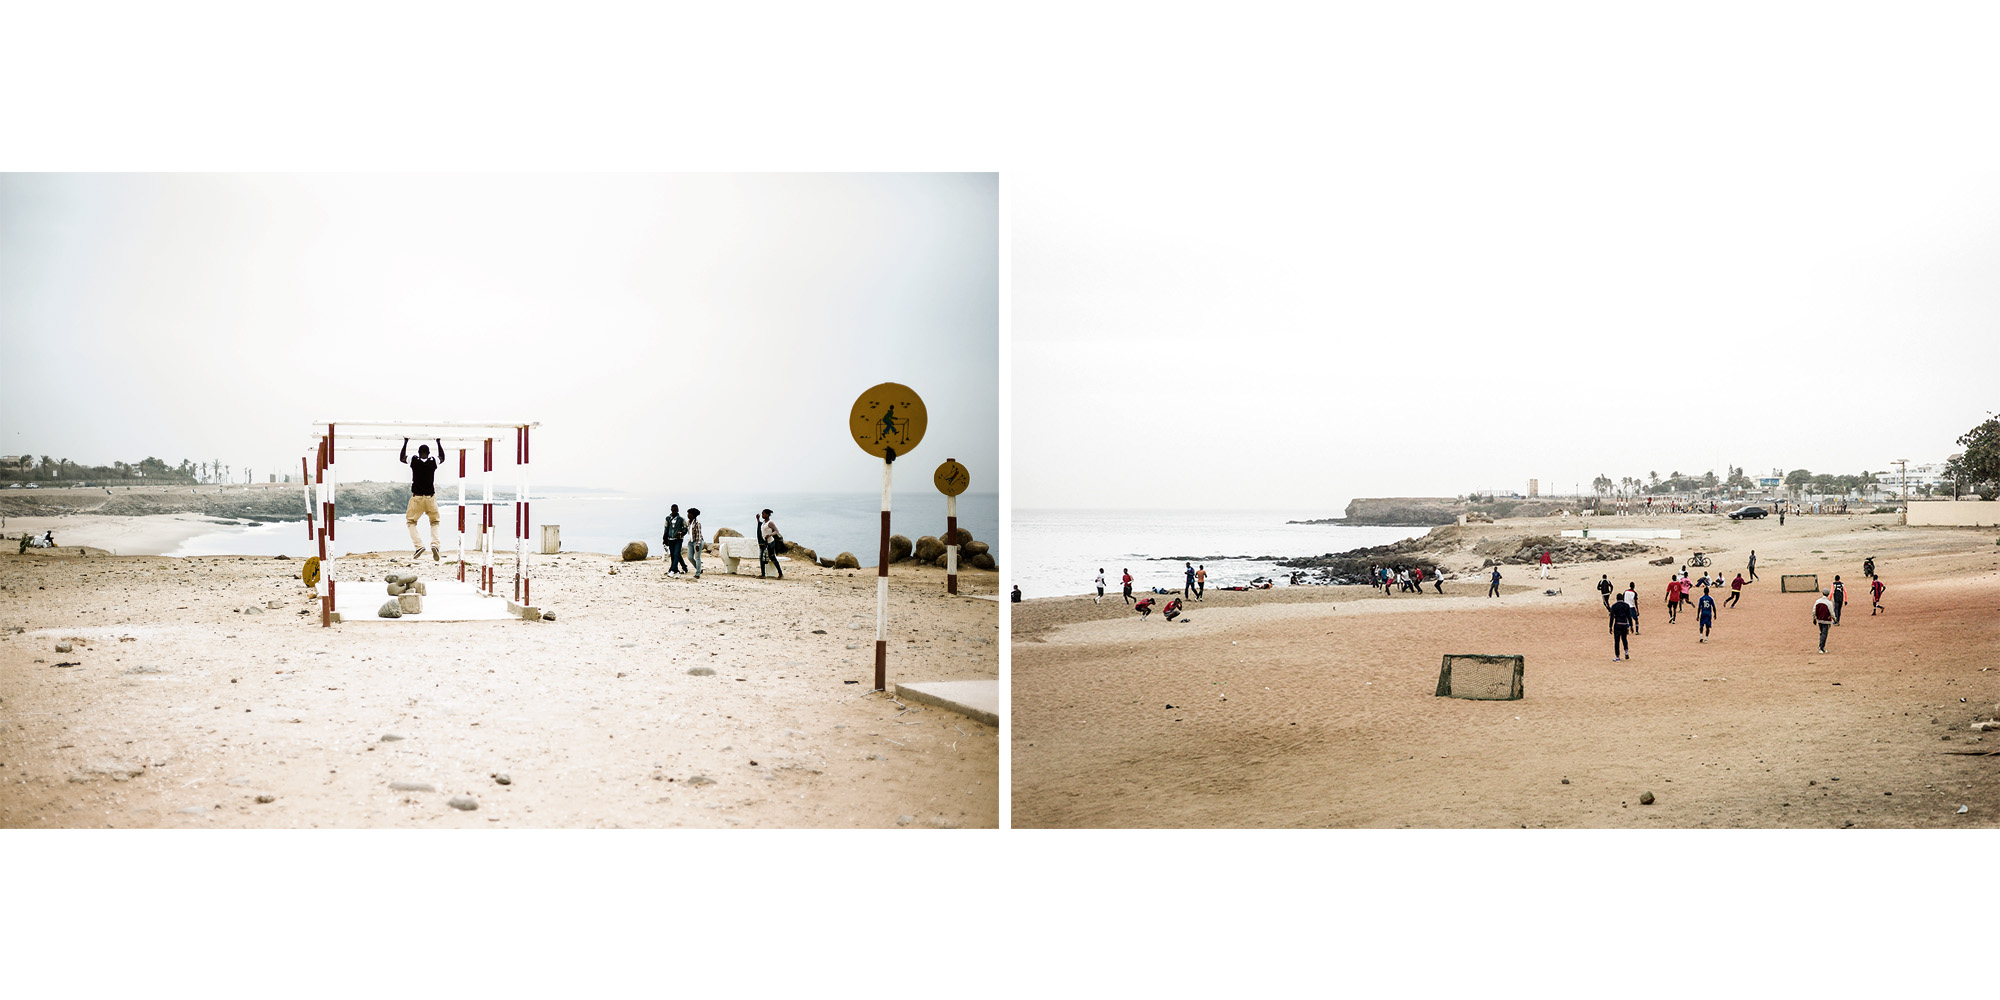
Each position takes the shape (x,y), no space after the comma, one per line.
(888,420)
(951,478)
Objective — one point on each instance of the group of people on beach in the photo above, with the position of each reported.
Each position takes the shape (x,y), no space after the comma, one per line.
(1623,609)
(1407,579)
(686,531)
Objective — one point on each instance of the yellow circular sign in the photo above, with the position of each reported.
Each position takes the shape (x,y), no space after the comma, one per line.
(886,419)
(951,478)
(310,571)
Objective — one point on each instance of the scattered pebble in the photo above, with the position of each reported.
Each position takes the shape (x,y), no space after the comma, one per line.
(390,737)
(501,779)
(266,799)
(701,779)
(907,820)
(701,672)
(464,802)
(1645,798)
(63,647)
(412,786)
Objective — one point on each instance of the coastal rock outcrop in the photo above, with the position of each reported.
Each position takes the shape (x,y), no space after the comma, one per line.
(927,549)
(846,560)
(899,548)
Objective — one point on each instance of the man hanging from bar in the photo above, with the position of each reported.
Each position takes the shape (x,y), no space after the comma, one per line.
(423,493)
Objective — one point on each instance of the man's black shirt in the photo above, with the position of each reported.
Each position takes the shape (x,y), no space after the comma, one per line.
(423,476)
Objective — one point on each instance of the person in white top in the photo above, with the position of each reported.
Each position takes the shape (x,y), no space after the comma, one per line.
(1632,601)
(1100,585)
(768,541)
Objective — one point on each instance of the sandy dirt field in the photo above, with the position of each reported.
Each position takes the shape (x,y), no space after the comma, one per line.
(1315,707)
(647,702)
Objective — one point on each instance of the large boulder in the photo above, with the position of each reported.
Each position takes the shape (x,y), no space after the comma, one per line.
(899,548)
(846,560)
(726,533)
(390,609)
(984,560)
(972,549)
(825,562)
(942,560)
(412,604)
(927,549)
(798,551)
(634,552)
(962,538)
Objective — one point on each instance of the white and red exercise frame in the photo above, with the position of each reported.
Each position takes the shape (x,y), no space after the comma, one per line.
(322,482)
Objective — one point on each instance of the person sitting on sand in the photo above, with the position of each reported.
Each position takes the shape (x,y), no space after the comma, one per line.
(1144,607)
(1017,593)
(423,493)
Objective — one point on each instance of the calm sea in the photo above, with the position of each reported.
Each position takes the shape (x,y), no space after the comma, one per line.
(828,523)
(1058,552)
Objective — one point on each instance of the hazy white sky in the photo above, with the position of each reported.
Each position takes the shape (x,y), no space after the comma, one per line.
(706,331)
(1407,254)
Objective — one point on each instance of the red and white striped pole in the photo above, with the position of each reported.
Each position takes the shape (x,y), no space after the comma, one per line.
(882,589)
(486,525)
(951,535)
(461,515)
(325,596)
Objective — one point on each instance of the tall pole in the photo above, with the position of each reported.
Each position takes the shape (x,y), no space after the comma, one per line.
(882,588)
(951,551)
(461,515)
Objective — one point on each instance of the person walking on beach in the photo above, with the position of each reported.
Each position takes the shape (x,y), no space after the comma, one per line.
(1100,585)
(1673,600)
(694,540)
(1437,578)
(1839,597)
(1493,589)
(1621,630)
(768,543)
(1604,590)
(1735,591)
(1545,564)
(1127,574)
(1875,588)
(1200,581)
(1704,613)
(1187,589)
(1631,596)
(423,493)
(1753,566)
(671,539)
(1823,616)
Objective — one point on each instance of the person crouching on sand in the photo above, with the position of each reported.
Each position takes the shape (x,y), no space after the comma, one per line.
(1144,607)
(1172,610)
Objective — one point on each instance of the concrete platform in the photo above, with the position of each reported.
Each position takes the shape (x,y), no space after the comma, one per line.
(976,700)
(447,601)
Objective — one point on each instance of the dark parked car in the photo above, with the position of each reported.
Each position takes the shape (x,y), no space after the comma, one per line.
(1738,515)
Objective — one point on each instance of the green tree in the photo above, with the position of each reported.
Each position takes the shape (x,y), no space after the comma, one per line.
(1982,457)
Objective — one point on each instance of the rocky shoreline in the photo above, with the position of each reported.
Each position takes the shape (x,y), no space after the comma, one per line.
(257,504)
(1452,548)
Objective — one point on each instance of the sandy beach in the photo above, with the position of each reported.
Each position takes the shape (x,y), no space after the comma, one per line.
(647,702)
(1316,707)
